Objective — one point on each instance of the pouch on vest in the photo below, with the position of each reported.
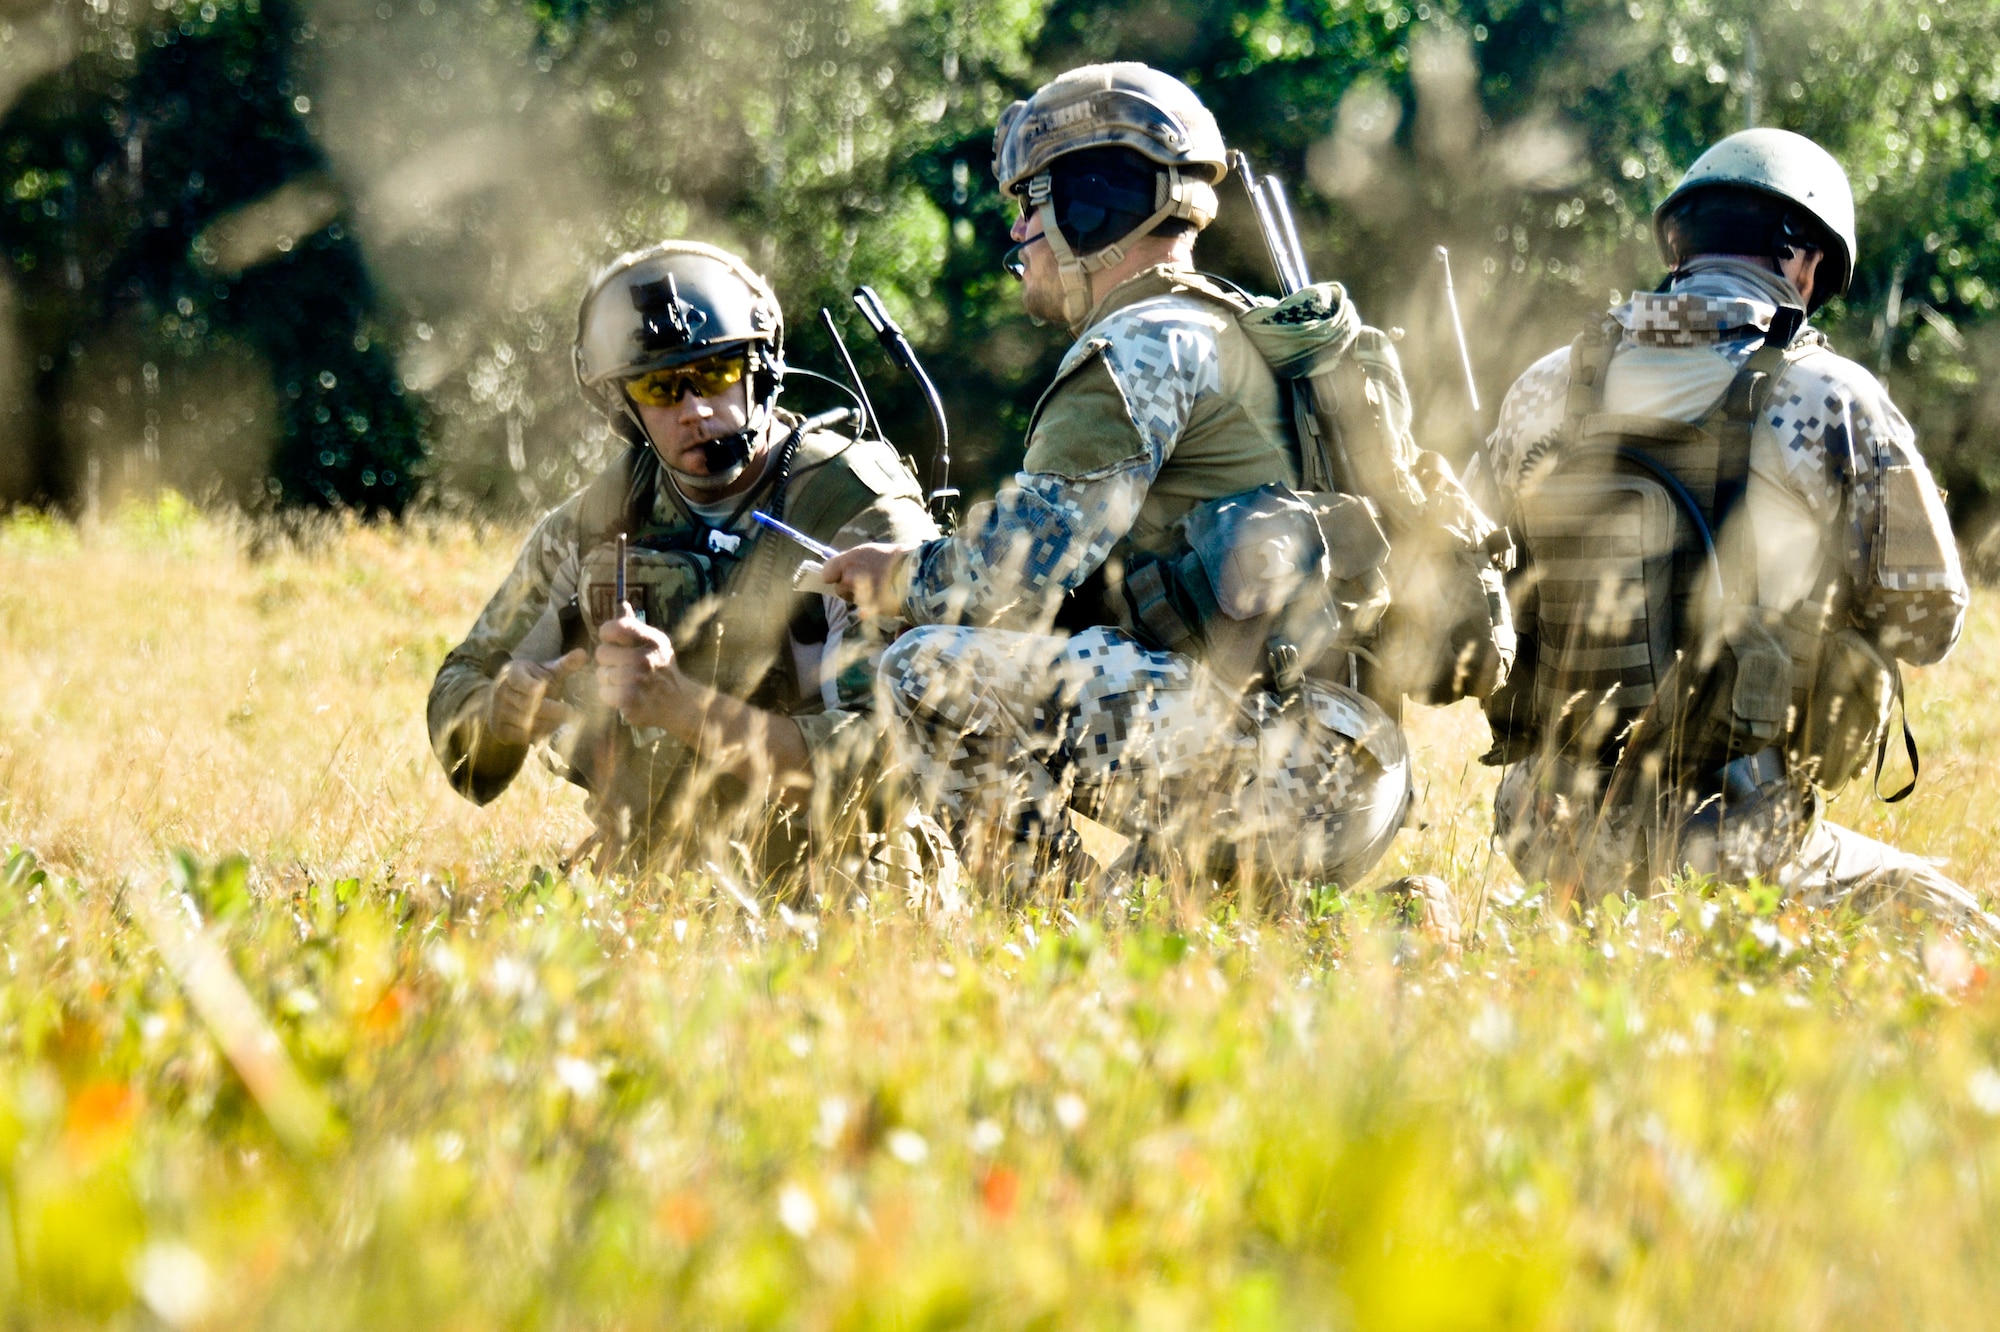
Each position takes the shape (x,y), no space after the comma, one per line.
(1448,632)
(1265,581)
(663,586)
(1603,545)
(1847,710)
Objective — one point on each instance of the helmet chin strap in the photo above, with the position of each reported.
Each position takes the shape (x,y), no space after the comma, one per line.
(1175,195)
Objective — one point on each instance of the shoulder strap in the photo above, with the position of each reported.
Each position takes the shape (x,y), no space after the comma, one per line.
(619,496)
(1735,421)
(1589,358)
(1218,288)
(832,473)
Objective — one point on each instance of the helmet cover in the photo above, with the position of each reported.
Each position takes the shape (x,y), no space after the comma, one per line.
(1120,105)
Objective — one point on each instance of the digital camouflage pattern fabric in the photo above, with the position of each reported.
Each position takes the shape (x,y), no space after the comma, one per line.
(736,623)
(1162,404)
(1839,504)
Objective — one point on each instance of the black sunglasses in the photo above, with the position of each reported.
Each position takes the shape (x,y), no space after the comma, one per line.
(1016,260)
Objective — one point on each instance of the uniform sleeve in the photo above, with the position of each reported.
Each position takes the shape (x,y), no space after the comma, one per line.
(1902,559)
(544,577)
(1530,426)
(1100,439)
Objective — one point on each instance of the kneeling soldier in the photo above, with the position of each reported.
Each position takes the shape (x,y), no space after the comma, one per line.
(1731,538)
(718,692)
(1160,410)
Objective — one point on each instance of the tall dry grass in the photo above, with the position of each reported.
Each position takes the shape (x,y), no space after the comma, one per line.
(176,680)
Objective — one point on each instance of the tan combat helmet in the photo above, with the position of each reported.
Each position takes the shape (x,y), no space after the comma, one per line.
(1123,105)
(1785,166)
(670,304)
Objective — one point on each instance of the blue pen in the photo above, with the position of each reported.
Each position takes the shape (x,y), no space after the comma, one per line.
(819,548)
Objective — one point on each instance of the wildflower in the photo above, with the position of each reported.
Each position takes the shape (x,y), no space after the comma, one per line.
(999,1190)
(173,1281)
(797,1212)
(1984,1089)
(986,1137)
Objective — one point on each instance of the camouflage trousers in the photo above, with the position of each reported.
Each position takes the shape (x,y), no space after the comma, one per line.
(1546,818)
(1009,731)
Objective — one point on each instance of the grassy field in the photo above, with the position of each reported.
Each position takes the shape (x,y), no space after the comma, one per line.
(290,1035)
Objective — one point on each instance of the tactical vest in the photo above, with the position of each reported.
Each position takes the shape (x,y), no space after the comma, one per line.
(725,598)
(1282,584)
(1642,640)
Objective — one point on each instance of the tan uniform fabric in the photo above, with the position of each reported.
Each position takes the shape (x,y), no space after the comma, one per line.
(737,625)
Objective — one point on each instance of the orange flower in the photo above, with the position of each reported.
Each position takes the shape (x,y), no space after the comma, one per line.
(683,1215)
(999,1190)
(99,1115)
(385,1013)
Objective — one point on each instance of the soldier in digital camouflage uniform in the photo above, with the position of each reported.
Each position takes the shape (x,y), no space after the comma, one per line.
(720,695)
(1161,404)
(1833,557)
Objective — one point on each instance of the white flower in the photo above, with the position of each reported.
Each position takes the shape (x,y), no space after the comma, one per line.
(1071,1111)
(1984,1089)
(1492,1030)
(833,1112)
(908,1146)
(173,1281)
(579,1075)
(986,1137)
(797,1212)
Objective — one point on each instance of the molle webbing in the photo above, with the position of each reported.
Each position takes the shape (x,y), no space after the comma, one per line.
(1621,585)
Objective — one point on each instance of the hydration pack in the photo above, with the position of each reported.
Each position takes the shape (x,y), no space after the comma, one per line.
(1643,646)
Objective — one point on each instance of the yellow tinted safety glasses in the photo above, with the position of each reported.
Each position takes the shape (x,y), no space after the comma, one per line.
(707,378)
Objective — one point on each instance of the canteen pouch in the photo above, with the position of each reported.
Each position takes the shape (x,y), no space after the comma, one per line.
(1256,569)
(1847,710)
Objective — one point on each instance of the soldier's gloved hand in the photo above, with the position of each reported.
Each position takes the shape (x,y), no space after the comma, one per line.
(521,709)
(635,670)
(874,576)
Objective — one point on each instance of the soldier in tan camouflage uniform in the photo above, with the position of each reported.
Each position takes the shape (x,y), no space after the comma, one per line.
(1710,630)
(719,694)
(1161,404)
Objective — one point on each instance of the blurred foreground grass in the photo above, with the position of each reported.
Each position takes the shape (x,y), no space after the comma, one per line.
(537,1101)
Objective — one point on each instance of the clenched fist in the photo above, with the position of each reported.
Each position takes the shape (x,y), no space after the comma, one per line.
(635,671)
(526,703)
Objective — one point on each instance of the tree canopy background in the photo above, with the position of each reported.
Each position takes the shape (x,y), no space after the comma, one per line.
(330,250)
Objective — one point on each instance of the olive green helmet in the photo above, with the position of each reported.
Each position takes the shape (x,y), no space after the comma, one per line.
(670,304)
(1785,166)
(1120,105)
